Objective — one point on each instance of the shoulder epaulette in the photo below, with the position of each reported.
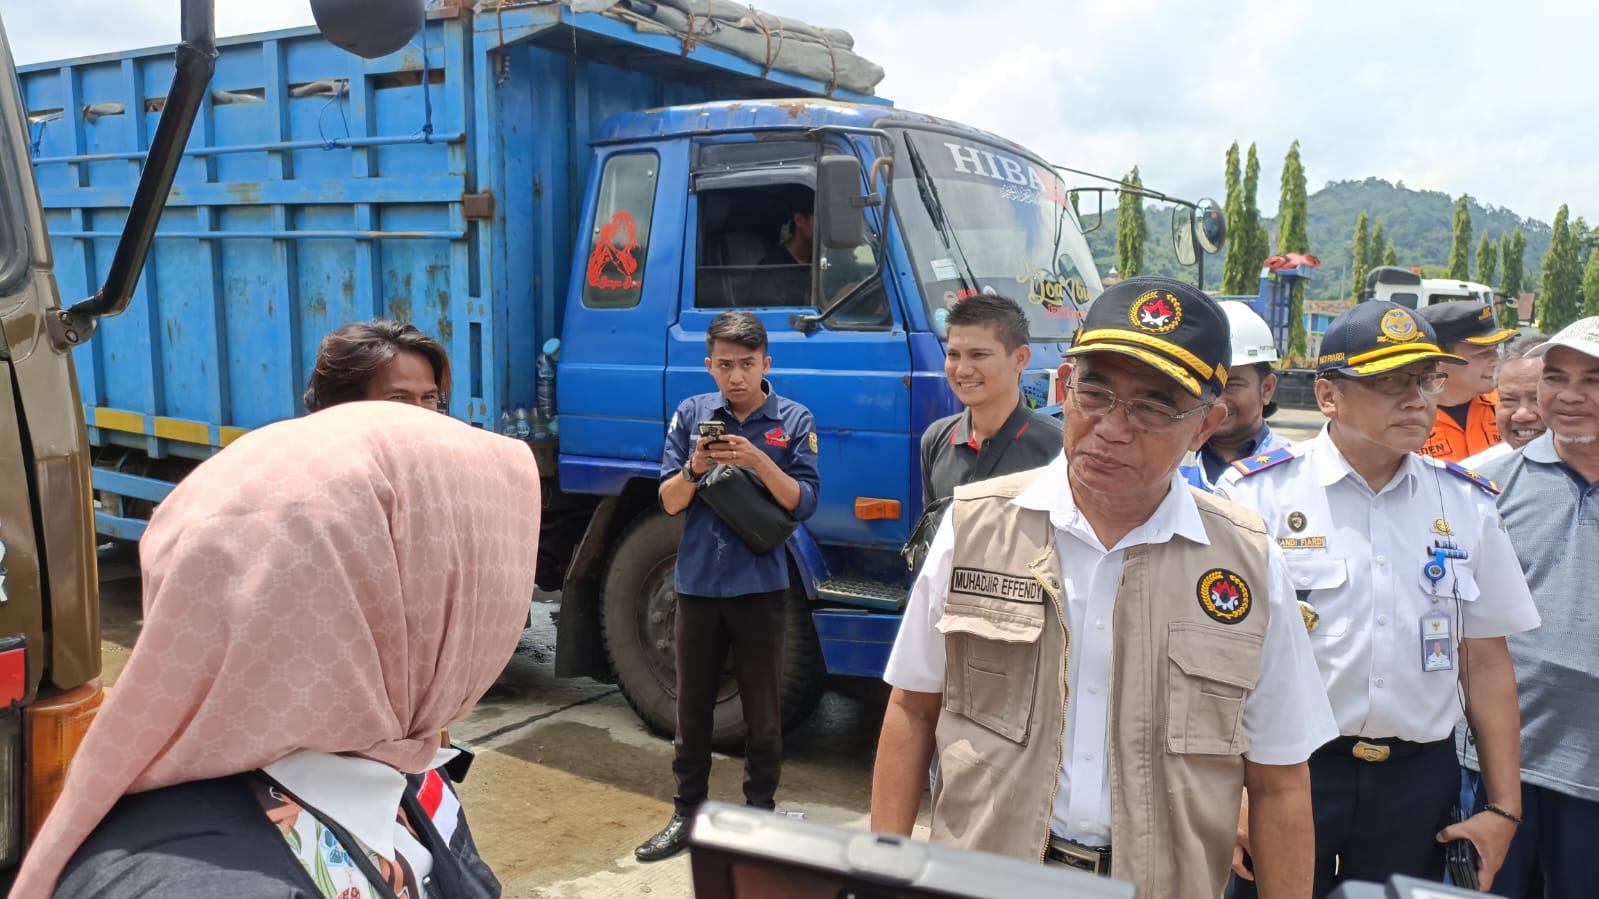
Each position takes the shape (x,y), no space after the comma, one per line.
(1460,471)
(1259,463)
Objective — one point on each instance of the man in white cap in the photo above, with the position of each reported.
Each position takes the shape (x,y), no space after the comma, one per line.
(1248,398)
(1550,505)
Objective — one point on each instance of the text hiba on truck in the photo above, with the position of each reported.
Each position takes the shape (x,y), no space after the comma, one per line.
(519,175)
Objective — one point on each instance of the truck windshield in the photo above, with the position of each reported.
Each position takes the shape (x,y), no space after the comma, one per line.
(978,218)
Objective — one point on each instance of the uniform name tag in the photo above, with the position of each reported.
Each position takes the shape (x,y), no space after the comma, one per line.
(977,582)
(1302,542)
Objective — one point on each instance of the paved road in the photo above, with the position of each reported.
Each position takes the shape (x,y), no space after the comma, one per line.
(567,781)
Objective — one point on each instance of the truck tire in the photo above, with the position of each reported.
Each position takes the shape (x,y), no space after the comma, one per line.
(638,614)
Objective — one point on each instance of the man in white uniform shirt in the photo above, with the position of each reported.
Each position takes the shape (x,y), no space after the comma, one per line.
(1102,656)
(1409,586)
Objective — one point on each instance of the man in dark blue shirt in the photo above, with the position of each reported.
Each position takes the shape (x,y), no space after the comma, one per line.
(727,596)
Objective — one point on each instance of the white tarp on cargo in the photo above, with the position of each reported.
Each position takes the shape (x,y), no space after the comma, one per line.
(770,41)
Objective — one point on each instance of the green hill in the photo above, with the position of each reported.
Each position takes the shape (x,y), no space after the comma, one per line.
(1419,222)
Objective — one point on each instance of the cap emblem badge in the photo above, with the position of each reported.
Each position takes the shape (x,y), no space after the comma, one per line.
(1157,311)
(1399,326)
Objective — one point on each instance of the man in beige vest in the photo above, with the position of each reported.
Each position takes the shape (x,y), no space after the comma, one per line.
(1103,657)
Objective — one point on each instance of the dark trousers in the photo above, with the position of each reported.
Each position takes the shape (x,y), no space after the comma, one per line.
(1556,841)
(1377,819)
(706,628)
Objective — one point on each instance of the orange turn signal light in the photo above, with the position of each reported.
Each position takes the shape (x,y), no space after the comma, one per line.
(869,508)
(56,727)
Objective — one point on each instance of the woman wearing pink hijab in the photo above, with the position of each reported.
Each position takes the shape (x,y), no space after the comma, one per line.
(320,600)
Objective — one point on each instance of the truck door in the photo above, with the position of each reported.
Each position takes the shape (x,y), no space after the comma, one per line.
(850,370)
(624,297)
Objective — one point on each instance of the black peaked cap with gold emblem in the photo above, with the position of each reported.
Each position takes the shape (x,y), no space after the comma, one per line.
(1465,321)
(1375,337)
(1171,326)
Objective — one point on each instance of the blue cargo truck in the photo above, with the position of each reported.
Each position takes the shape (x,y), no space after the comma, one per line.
(520,174)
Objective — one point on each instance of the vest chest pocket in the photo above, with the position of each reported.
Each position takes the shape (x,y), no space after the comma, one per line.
(1209,672)
(991,656)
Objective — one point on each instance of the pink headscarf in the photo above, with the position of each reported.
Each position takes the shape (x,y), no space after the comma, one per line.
(351,582)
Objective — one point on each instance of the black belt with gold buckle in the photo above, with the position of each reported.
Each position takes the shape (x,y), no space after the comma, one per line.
(1093,859)
(1377,750)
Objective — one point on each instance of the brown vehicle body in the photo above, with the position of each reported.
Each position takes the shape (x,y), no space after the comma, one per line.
(50,683)
(46,507)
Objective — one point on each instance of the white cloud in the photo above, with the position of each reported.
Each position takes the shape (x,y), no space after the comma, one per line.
(1477,96)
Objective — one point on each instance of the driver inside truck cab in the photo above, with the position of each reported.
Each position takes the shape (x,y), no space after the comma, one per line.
(382,359)
(796,239)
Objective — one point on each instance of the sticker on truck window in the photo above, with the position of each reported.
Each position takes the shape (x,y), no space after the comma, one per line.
(614,261)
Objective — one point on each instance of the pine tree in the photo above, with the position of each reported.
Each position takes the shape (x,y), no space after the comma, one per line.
(1131,229)
(1560,282)
(1460,249)
(1254,230)
(1509,281)
(1239,272)
(1379,245)
(1362,258)
(1292,238)
(1580,242)
(1487,260)
(1390,256)
(1590,286)
(1512,249)
(1510,269)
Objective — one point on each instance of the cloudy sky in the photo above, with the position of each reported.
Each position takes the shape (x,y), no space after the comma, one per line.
(1489,98)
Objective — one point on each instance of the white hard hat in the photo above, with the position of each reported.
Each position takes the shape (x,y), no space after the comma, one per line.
(1252,341)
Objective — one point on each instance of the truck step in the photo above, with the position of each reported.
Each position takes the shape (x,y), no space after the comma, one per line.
(860,591)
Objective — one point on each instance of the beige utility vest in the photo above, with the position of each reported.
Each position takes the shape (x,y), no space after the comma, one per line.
(1188,629)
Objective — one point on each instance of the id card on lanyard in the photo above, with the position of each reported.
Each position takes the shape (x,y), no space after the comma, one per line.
(1437,642)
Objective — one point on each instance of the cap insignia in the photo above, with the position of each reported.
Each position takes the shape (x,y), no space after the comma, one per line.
(1398,326)
(1157,312)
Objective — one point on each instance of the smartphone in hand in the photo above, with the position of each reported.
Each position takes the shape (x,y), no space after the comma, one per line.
(714,430)
(1460,858)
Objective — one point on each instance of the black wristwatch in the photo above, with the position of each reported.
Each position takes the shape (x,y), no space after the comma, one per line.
(688,473)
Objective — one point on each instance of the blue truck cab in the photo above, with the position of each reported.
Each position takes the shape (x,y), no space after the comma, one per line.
(537,174)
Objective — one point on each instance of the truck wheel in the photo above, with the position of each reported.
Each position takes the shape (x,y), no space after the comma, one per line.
(639,613)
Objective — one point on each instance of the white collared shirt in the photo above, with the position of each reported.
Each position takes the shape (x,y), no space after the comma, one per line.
(360,795)
(1286,716)
(1359,560)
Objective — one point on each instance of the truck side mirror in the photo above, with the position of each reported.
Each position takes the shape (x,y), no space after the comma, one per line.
(840,203)
(1210,225)
(368,28)
(1182,234)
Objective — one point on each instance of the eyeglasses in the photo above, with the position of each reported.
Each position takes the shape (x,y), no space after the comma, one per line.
(1144,415)
(1398,383)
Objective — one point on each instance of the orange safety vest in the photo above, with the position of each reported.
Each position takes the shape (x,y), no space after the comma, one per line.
(1451,442)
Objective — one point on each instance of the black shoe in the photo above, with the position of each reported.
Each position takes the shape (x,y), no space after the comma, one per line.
(672,839)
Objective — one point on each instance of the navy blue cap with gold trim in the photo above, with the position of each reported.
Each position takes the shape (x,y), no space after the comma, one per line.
(1256,464)
(1465,321)
(1170,326)
(1375,337)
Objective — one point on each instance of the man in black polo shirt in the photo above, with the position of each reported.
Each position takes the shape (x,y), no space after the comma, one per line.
(727,596)
(984,358)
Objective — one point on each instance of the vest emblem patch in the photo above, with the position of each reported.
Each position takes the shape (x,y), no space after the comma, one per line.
(1224,596)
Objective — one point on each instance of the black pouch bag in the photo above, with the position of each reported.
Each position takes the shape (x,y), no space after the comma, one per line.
(738,497)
